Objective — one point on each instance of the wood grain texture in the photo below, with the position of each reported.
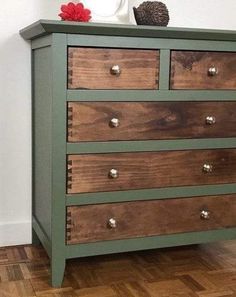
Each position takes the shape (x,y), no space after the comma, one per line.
(149,120)
(90,173)
(189,70)
(148,218)
(193,271)
(89,68)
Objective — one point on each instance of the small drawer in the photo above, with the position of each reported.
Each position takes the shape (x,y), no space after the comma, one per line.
(103,68)
(149,218)
(143,170)
(203,70)
(104,121)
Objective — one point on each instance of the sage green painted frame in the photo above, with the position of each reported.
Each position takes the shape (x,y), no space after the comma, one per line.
(56,248)
(46,27)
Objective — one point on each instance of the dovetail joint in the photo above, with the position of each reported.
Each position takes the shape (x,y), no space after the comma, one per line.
(69,121)
(69,182)
(69,186)
(70,109)
(69,174)
(70,115)
(69,165)
(68,226)
(70,67)
(69,221)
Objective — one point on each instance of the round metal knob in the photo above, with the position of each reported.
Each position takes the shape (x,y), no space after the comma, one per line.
(207,168)
(210,120)
(205,215)
(213,71)
(113,173)
(114,123)
(112,223)
(115,70)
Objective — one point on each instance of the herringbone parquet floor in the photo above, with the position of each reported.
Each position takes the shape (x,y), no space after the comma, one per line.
(202,270)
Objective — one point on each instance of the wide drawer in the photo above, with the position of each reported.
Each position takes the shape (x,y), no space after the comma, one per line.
(148,218)
(203,70)
(104,121)
(103,68)
(124,171)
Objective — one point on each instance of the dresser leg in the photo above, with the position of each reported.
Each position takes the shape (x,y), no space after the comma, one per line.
(57,272)
(35,239)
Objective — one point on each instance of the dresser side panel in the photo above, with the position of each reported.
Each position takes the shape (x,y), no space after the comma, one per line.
(42,132)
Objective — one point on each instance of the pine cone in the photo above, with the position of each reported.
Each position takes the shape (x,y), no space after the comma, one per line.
(151,13)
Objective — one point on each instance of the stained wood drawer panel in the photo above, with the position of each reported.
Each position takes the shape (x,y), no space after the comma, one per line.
(140,170)
(190,70)
(92,121)
(148,218)
(90,68)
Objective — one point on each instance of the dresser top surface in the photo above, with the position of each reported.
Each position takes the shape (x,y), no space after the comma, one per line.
(45,27)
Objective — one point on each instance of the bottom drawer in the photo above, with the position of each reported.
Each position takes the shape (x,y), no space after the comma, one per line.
(92,223)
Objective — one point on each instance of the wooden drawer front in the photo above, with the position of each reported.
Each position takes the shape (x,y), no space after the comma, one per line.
(149,218)
(90,68)
(94,121)
(196,70)
(123,171)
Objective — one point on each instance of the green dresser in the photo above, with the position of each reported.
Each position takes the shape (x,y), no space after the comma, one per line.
(134,138)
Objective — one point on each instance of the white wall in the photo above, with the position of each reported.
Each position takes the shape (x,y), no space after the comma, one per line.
(15,117)
(214,14)
(15,104)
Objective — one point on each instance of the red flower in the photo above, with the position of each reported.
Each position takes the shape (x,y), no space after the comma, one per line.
(75,12)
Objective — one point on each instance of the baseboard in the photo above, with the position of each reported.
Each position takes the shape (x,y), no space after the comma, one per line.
(15,233)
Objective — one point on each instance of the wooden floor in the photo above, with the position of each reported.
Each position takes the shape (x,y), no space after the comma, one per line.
(204,270)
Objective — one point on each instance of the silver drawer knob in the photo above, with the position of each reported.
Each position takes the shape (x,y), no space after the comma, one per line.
(207,168)
(115,70)
(210,120)
(213,71)
(114,123)
(205,215)
(112,223)
(113,173)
